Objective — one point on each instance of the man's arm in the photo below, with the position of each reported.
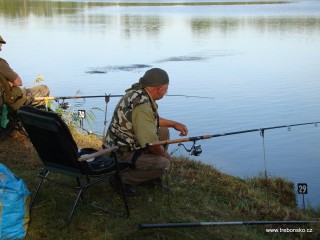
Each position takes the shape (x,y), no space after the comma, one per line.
(160,150)
(12,77)
(176,125)
(145,128)
(16,83)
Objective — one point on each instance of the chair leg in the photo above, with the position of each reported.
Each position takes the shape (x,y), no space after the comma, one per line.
(75,205)
(79,185)
(16,124)
(41,175)
(123,195)
(79,196)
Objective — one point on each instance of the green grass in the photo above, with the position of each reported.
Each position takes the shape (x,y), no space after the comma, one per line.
(200,193)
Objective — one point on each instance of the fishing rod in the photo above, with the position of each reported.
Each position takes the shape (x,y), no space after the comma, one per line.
(74,97)
(196,149)
(201,224)
(188,96)
(117,95)
(65,105)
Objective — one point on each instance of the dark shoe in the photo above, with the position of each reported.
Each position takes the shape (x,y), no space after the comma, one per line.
(128,190)
(156,182)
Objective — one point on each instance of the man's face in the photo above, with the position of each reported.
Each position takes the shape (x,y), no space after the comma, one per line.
(162,90)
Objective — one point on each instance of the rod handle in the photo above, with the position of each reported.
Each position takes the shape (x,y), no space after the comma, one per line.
(189,139)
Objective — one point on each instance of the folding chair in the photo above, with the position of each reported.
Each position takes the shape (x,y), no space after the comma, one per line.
(59,154)
(9,122)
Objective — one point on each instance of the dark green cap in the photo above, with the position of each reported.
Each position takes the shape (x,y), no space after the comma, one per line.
(2,41)
(154,77)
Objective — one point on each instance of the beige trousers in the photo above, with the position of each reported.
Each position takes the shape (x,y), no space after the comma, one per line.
(36,91)
(148,166)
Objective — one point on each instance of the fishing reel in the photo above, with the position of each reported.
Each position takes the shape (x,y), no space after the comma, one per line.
(195,150)
(64,105)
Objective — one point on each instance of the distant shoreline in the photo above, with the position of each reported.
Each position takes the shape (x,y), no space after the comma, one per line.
(131,4)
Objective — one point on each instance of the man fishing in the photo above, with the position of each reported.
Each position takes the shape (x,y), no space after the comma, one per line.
(12,95)
(135,123)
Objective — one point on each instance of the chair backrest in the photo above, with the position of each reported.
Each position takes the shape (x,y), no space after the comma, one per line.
(52,140)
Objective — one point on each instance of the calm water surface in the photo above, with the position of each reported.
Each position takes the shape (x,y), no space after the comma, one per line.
(260,62)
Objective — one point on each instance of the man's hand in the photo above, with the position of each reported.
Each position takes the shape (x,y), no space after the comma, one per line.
(160,151)
(181,128)
(10,84)
(16,83)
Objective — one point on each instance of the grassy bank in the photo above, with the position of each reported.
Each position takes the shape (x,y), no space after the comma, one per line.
(200,193)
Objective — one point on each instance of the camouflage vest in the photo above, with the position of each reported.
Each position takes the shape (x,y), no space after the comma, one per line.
(120,131)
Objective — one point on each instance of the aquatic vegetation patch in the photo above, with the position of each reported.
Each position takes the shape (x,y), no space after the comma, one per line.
(197,57)
(182,59)
(116,68)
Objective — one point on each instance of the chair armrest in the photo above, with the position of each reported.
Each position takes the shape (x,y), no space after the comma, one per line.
(99,153)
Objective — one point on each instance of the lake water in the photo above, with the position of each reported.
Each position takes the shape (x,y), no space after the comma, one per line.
(260,62)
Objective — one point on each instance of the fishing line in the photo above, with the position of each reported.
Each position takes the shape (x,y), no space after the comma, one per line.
(175,150)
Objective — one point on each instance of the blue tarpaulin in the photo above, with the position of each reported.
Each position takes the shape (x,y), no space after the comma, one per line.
(14,205)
